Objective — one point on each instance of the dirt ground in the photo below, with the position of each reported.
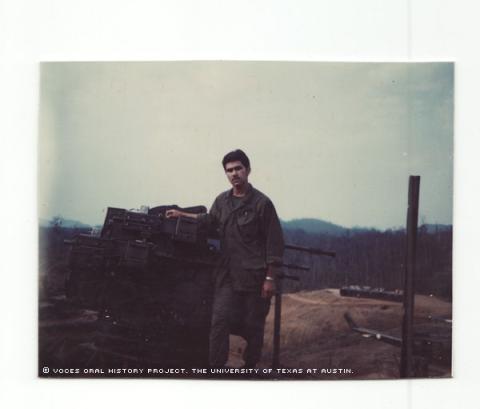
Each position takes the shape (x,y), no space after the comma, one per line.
(315,335)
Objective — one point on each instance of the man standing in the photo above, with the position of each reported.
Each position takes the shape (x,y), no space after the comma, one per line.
(251,243)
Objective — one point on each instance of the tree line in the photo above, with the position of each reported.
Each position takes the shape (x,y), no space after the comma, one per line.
(373,258)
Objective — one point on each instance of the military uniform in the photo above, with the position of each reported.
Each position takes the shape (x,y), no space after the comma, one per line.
(250,240)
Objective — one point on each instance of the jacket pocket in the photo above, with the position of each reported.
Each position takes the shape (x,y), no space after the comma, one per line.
(247,222)
(254,263)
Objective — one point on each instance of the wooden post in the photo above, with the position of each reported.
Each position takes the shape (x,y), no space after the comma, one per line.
(276,324)
(406,369)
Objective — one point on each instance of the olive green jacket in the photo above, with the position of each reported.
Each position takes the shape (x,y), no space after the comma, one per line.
(251,238)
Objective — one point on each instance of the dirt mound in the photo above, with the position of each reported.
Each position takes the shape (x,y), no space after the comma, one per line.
(315,334)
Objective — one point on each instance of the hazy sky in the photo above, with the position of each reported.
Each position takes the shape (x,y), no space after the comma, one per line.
(335,141)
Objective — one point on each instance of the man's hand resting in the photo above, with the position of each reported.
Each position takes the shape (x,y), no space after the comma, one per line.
(173,213)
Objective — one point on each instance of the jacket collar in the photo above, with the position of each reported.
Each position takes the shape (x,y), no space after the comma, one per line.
(246,198)
(248,193)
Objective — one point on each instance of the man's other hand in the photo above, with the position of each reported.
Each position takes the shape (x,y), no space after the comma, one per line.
(268,288)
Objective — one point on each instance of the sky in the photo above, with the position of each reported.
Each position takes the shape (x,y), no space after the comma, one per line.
(333,141)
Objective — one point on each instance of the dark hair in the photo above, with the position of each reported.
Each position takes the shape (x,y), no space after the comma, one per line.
(235,155)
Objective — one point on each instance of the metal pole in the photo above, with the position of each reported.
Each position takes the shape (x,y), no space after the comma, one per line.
(276,324)
(310,250)
(406,368)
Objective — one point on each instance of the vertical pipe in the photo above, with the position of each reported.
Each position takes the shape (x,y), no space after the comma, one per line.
(406,368)
(276,323)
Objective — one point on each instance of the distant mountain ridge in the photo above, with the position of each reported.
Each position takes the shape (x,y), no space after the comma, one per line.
(433,228)
(314,226)
(308,225)
(318,226)
(66,223)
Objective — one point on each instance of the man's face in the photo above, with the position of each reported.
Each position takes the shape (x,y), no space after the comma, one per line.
(237,174)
